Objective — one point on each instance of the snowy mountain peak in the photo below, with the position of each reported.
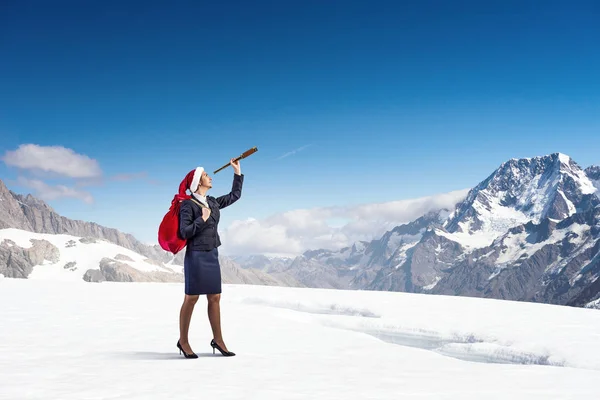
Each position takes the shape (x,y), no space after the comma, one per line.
(522,190)
(558,156)
(564,158)
(593,173)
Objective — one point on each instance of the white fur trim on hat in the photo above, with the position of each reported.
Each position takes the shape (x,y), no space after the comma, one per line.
(196,179)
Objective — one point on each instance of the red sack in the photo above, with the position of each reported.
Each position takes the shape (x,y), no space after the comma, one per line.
(168,230)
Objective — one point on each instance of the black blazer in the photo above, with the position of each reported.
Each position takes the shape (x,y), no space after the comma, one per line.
(200,234)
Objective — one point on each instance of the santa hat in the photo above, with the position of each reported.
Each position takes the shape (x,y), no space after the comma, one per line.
(191,181)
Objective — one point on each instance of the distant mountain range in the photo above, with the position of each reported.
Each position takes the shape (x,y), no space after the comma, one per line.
(34,239)
(530,231)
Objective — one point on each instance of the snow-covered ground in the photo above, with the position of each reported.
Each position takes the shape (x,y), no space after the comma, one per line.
(79,340)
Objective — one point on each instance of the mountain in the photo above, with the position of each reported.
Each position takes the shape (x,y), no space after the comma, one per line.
(31,214)
(593,173)
(354,266)
(263,262)
(274,266)
(551,262)
(532,191)
(530,231)
(232,272)
(35,241)
(523,190)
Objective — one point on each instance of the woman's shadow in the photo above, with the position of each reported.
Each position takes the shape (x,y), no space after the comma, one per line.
(154,355)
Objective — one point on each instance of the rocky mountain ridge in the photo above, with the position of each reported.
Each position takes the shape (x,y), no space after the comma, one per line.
(29,214)
(529,231)
(32,214)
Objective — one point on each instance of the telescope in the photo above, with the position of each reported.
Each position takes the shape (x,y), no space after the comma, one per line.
(242,156)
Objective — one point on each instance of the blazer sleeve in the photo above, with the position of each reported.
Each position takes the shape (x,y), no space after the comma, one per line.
(188,225)
(234,195)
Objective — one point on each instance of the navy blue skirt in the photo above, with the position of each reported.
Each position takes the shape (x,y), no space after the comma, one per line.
(202,272)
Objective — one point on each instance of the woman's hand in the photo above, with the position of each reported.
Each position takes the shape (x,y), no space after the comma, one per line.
(235,165)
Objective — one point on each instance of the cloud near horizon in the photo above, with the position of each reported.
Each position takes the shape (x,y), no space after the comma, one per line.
(48,192)
(64,163)
(293,232)
(57,160)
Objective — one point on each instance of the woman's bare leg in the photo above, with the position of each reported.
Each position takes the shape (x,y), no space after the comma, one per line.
(214,316)
(185,316)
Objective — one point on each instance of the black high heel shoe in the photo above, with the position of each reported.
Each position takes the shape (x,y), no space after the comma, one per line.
(186,355)
(214,345)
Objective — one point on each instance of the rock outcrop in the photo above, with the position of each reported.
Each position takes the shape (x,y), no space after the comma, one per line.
(17,262)
(116,271)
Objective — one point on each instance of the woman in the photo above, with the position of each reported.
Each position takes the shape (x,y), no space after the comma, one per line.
(198,222)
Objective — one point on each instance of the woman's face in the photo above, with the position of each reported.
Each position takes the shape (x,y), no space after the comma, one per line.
(206,180)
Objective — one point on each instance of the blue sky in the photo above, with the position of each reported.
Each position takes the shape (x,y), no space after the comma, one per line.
(387,100)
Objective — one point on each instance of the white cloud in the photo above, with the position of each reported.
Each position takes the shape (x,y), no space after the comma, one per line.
(252,236)
(48,192)
(53,159)
(296,231)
